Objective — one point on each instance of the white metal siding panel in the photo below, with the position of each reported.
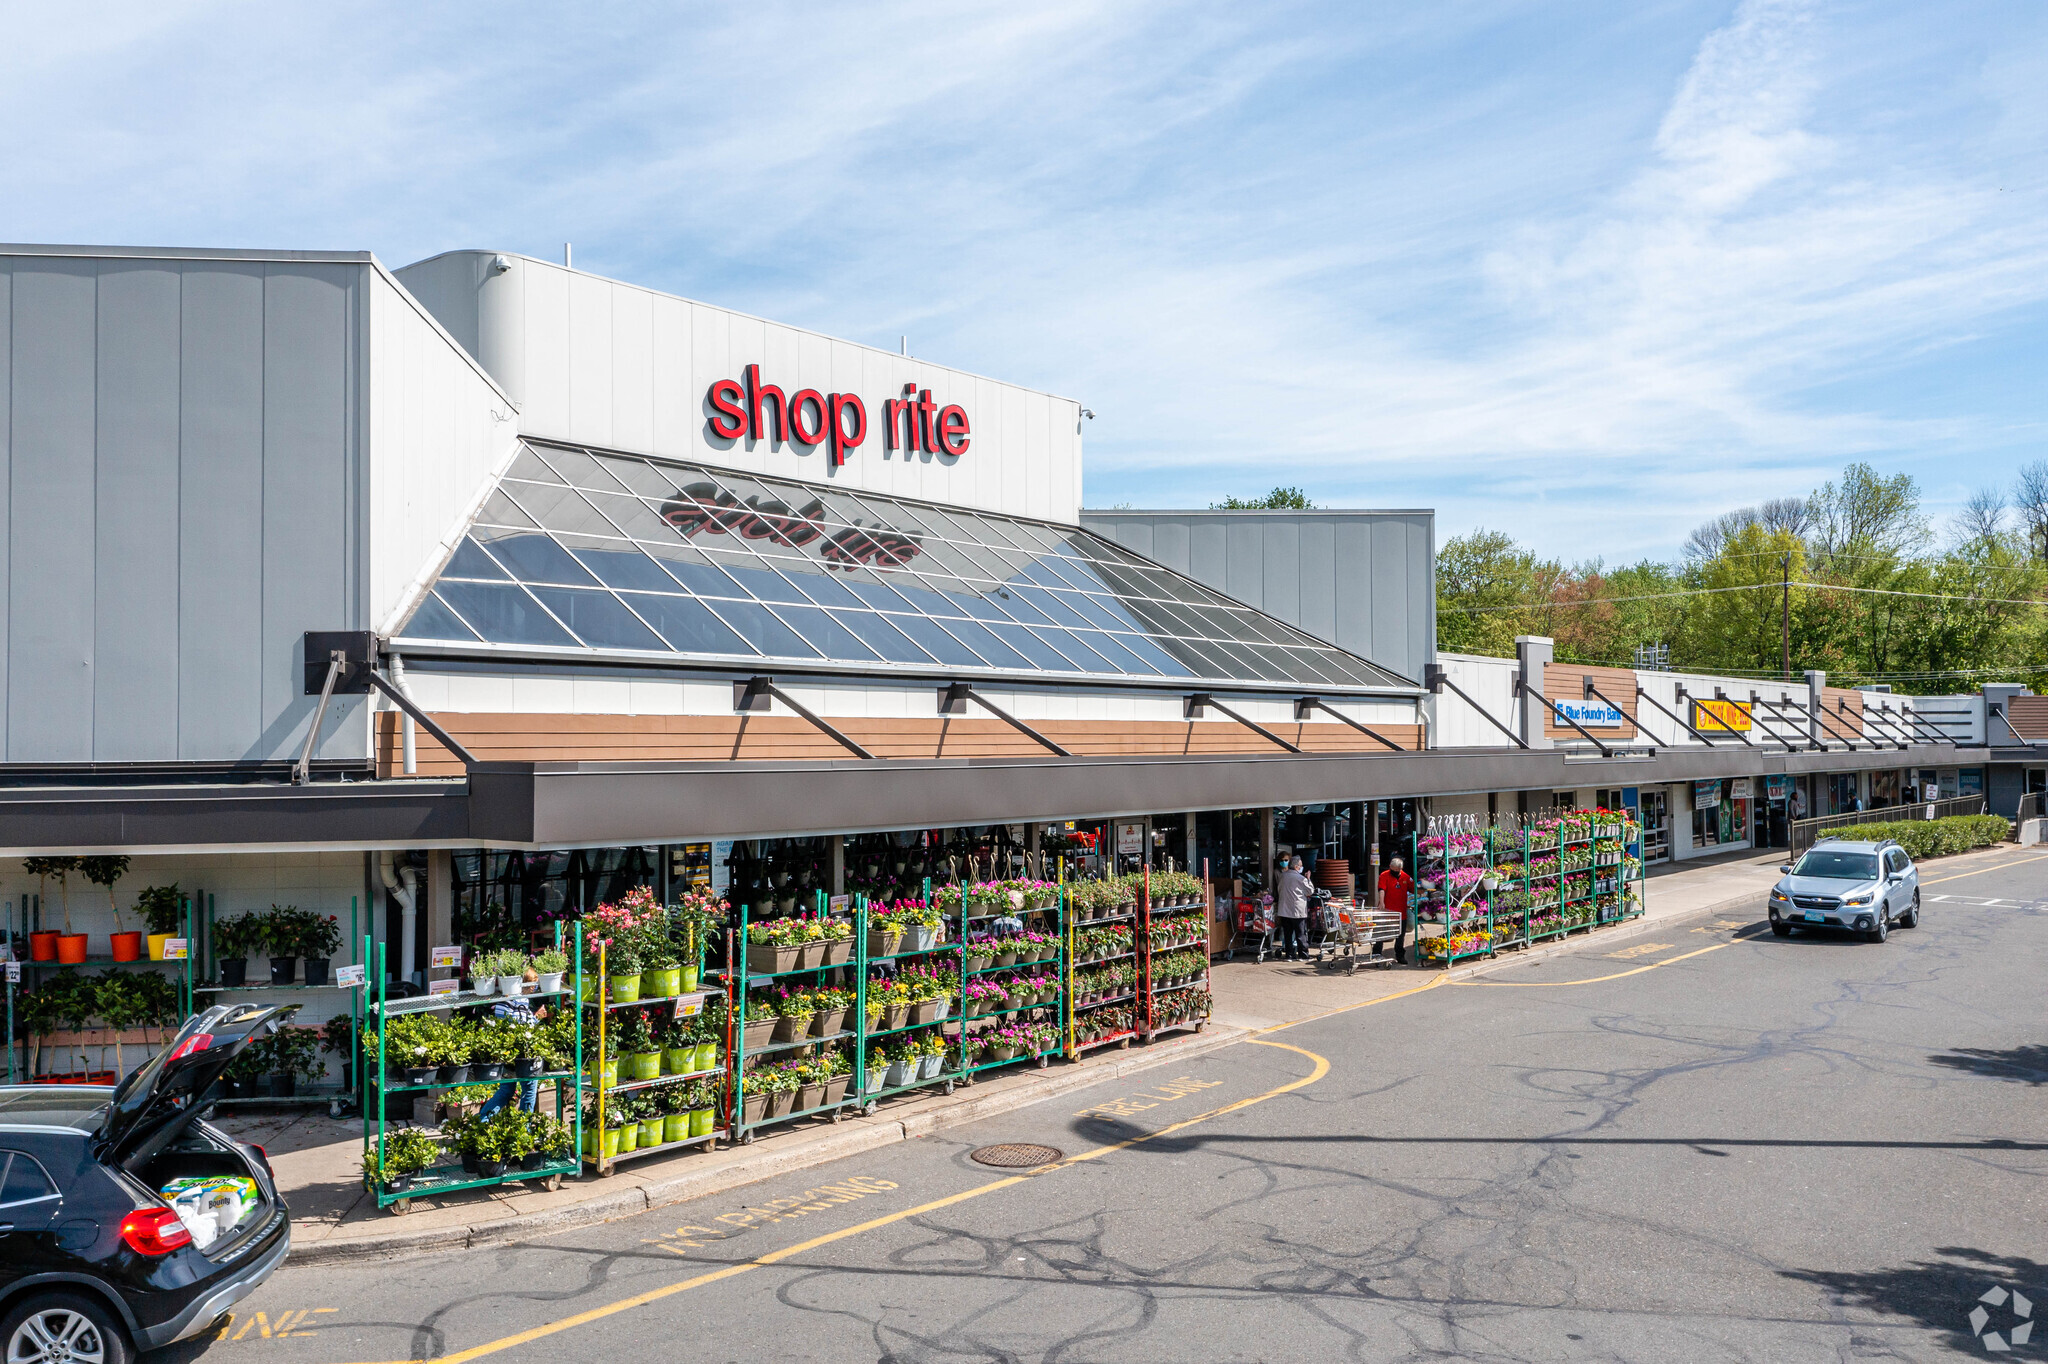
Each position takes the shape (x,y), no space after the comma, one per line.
(135,578)
(590,360)
(675,415)
(220,511)
(446,286)
(632,370)
(6,485)
(308,368)
(1169,541)
(50,539)
(542,346)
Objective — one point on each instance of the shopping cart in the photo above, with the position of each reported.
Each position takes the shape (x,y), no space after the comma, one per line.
(1253,930)
(1352,934)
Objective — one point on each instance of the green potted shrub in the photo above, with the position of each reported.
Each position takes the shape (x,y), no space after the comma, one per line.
(163,910)
(551,966)
(407,1151)
(494,1044)
(633,1040)
(549,1141)
(233,940)
(700,1106)
(278,930)
(337,1035)
(661,963)
(622,972)
(499,1140)
(316,937)
(294,1056)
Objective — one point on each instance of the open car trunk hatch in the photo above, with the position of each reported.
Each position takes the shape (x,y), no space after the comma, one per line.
(162,1097)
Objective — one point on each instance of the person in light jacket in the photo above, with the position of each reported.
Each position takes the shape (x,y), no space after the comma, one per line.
(1290,907)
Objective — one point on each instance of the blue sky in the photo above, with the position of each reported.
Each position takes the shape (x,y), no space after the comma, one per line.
(1588,273)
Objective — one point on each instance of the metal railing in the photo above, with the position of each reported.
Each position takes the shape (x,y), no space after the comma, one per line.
(1806,832)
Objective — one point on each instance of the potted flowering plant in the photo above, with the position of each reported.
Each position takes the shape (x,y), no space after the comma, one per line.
(549,968)
(772,947)
(779,1083)
(931,1054)
(838,940)
(639,1057)
(793,1010)
(832,1005)
(232,941)
(901,1053)
(407,1151)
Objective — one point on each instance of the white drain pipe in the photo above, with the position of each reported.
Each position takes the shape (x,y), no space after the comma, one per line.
(403,883)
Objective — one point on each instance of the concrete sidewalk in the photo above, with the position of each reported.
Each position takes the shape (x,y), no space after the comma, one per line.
(317,1158)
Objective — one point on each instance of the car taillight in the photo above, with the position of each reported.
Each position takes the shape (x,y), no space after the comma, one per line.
(196,1042)
(263,1156)
(154,1231)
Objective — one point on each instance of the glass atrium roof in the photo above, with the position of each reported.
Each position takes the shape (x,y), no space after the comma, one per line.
(579,550)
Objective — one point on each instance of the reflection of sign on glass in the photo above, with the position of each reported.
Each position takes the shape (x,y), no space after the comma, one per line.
(1719,717)
(721,875)
(1706,795)
(1593,714)
(177,949)
(705,508)
(1130,839)
(1741,791)
(447,956)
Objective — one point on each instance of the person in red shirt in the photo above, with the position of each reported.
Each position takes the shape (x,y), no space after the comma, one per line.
(1395,884)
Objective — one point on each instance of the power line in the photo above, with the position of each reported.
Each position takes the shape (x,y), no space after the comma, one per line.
(1757,587)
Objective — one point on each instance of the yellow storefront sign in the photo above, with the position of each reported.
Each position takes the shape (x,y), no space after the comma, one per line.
(1724,717)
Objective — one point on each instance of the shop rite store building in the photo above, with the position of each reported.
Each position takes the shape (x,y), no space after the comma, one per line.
(665,584)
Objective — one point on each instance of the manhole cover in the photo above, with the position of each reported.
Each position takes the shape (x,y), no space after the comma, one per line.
(1016,1155)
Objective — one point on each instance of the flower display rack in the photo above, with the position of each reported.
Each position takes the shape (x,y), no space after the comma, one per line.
(889,1024)
(755,1043)
(1102,972)
(1516,884)
(1173,954)
(602,1151)
(1014,983)
(20,1067)
(382,1142)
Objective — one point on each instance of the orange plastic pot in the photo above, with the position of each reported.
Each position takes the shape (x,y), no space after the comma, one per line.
(43,946)
(71,948)
(127,946)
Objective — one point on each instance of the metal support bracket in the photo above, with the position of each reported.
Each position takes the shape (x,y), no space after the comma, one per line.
(1750,711)
(751,696)
(1307,705)
(420,717)
(1779,709)
(1524,689)
(1680,720)
(1193,704)
(337,663)
(953,699)
(1593,693)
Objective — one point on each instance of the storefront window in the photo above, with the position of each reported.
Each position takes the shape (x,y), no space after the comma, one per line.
(508,895)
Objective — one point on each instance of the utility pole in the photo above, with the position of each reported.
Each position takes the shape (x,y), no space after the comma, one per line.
(1785,614)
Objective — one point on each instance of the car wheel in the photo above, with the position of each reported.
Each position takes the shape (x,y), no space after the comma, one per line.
(1911,918)
(1884,922)
(1782,930)
(63,1328)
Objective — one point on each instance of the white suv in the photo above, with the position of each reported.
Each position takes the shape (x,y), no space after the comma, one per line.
(1864,887)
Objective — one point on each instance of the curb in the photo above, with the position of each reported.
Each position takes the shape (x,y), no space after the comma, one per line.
(773,1158)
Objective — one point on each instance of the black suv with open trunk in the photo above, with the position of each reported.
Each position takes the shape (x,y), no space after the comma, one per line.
(102,1188)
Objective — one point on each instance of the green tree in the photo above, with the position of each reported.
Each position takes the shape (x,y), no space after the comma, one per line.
(1280,499)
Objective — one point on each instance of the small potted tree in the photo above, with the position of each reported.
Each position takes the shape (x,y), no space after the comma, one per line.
(105,871)
(279,929)
(43,942)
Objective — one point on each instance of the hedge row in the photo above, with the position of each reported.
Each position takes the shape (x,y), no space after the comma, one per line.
(1924,838)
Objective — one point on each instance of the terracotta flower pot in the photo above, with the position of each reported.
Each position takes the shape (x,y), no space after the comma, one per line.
(127,946)
(764,959)
(884,944)
(71,948)
(42,946)
(838,951)
(759,1033)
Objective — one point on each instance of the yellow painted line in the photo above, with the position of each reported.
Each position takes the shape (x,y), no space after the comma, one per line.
(1962,875)
(542,1332)
(1595,980)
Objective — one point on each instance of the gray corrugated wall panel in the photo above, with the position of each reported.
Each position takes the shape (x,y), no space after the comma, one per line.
(6,482)
(1280,570)
(1389,587)
(50,528)
(220,512)
(1318,578)
(135,617)
(1422,554)
(1170,544)
(1206,557)
(1355,593)
(308,356)
(1134,535)
(1243,562)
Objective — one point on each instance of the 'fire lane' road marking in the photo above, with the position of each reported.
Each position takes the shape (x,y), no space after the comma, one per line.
(542,1332)
(1132,1104)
